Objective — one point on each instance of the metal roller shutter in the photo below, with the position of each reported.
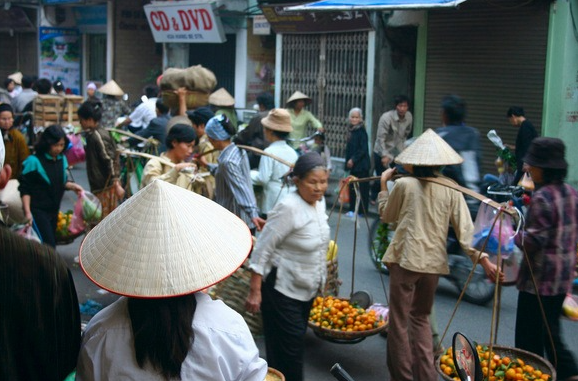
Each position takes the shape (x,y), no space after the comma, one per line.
(493,54)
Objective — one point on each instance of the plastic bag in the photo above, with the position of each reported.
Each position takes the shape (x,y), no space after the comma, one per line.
(77,221)
(343,190)
(27,232)
(75,154)
(87,209)
(503,240)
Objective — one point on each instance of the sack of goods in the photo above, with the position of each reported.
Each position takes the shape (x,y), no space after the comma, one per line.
(199,82)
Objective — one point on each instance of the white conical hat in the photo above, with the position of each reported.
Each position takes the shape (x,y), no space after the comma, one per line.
(111,88)
(164,241)
(429,150)
(296,96)
(222,98)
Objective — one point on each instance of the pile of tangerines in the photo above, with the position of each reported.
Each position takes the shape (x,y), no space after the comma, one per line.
(339,314)
(496,367)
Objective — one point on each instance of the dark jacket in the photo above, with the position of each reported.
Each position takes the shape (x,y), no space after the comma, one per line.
(253,136)
(357,149)
(156,129)
(526,134)
(43,179)
(102,166)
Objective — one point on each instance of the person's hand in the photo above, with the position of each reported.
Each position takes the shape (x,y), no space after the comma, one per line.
(322,130)
(253,302)
(202,160)
(349,163)
(385,160)
(259,223)
(179,167)
(491,270)
(387,175)
(181,92)
(119,190)
(75,187)
(28,217)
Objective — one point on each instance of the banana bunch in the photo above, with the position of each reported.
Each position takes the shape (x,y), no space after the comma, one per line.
(332,250)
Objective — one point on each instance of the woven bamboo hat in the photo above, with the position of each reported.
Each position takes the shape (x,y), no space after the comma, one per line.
(222,98)
(16,77)
(278,119)
(111,88)
(297,96)
(429,150)
(164,241)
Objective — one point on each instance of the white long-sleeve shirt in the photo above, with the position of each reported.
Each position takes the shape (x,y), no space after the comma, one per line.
(270,173)
(294,240)
(223,348)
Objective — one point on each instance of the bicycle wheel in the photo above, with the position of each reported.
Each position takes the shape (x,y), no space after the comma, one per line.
(480,289)
(378,241)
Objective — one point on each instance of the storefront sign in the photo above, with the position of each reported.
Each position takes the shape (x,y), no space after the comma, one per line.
(261,26)
(315,22)
(184,22)
(60,57)
(90,19)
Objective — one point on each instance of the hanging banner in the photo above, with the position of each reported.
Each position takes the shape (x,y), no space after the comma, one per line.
(184,21)
(60,57)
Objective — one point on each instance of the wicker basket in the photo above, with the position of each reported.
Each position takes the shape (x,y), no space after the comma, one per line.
(67,240)
(529,359)
(344,336)
(274,375)
(233,291)
(194,99)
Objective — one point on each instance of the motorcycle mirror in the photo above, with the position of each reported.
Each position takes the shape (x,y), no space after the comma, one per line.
(466,359)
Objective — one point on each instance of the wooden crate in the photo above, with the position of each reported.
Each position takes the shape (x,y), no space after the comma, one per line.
(69,113)
(47,110)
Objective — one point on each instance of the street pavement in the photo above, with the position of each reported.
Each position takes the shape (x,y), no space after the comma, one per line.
(365,361)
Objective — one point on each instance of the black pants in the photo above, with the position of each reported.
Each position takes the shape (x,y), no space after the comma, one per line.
(46,223)
(284,325)
(532,336)
(364,193)
(379,168)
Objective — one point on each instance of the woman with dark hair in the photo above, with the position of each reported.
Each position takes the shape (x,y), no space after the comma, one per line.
(549,240)
(43,182)
(276,128)
(179,142)
(164,327)
(289,266)
(102,165)
(417,256)
(233,187)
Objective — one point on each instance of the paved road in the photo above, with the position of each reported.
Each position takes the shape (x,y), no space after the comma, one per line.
(365,361)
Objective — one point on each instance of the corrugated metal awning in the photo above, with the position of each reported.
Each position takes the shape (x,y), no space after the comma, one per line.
(366,5)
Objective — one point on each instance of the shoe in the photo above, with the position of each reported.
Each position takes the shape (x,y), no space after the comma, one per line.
(350,214)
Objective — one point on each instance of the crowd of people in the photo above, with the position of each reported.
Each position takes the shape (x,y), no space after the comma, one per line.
(164,326)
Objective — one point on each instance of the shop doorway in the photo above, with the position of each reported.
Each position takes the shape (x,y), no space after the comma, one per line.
(219,58)
(96,57)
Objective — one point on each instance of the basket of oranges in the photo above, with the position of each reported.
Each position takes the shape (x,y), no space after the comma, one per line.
(63,234)
(503,364)
(337,320)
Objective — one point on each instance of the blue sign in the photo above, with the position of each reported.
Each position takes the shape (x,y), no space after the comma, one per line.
(90,19)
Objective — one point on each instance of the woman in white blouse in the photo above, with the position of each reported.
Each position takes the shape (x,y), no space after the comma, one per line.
(289,267)
(276,128)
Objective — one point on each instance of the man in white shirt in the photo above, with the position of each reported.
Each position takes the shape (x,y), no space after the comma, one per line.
(143,113)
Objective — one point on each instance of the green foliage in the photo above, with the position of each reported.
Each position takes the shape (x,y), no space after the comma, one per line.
(507,157)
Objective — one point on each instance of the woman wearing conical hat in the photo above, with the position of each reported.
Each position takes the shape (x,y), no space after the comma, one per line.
(113,106)
(416,256)
(223,103)
(164,327)
(301,118)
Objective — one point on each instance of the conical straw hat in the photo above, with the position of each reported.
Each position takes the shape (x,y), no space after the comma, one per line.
(222,98)
(429,150)
(164,241)
(298,95)
(111,88)
(278,119)
(16,77)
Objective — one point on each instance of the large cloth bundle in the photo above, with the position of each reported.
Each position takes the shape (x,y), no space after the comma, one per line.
(199,82)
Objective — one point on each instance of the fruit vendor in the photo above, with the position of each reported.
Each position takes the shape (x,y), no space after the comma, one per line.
(416,256)
(43,182)
(549,240)
(289,266)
